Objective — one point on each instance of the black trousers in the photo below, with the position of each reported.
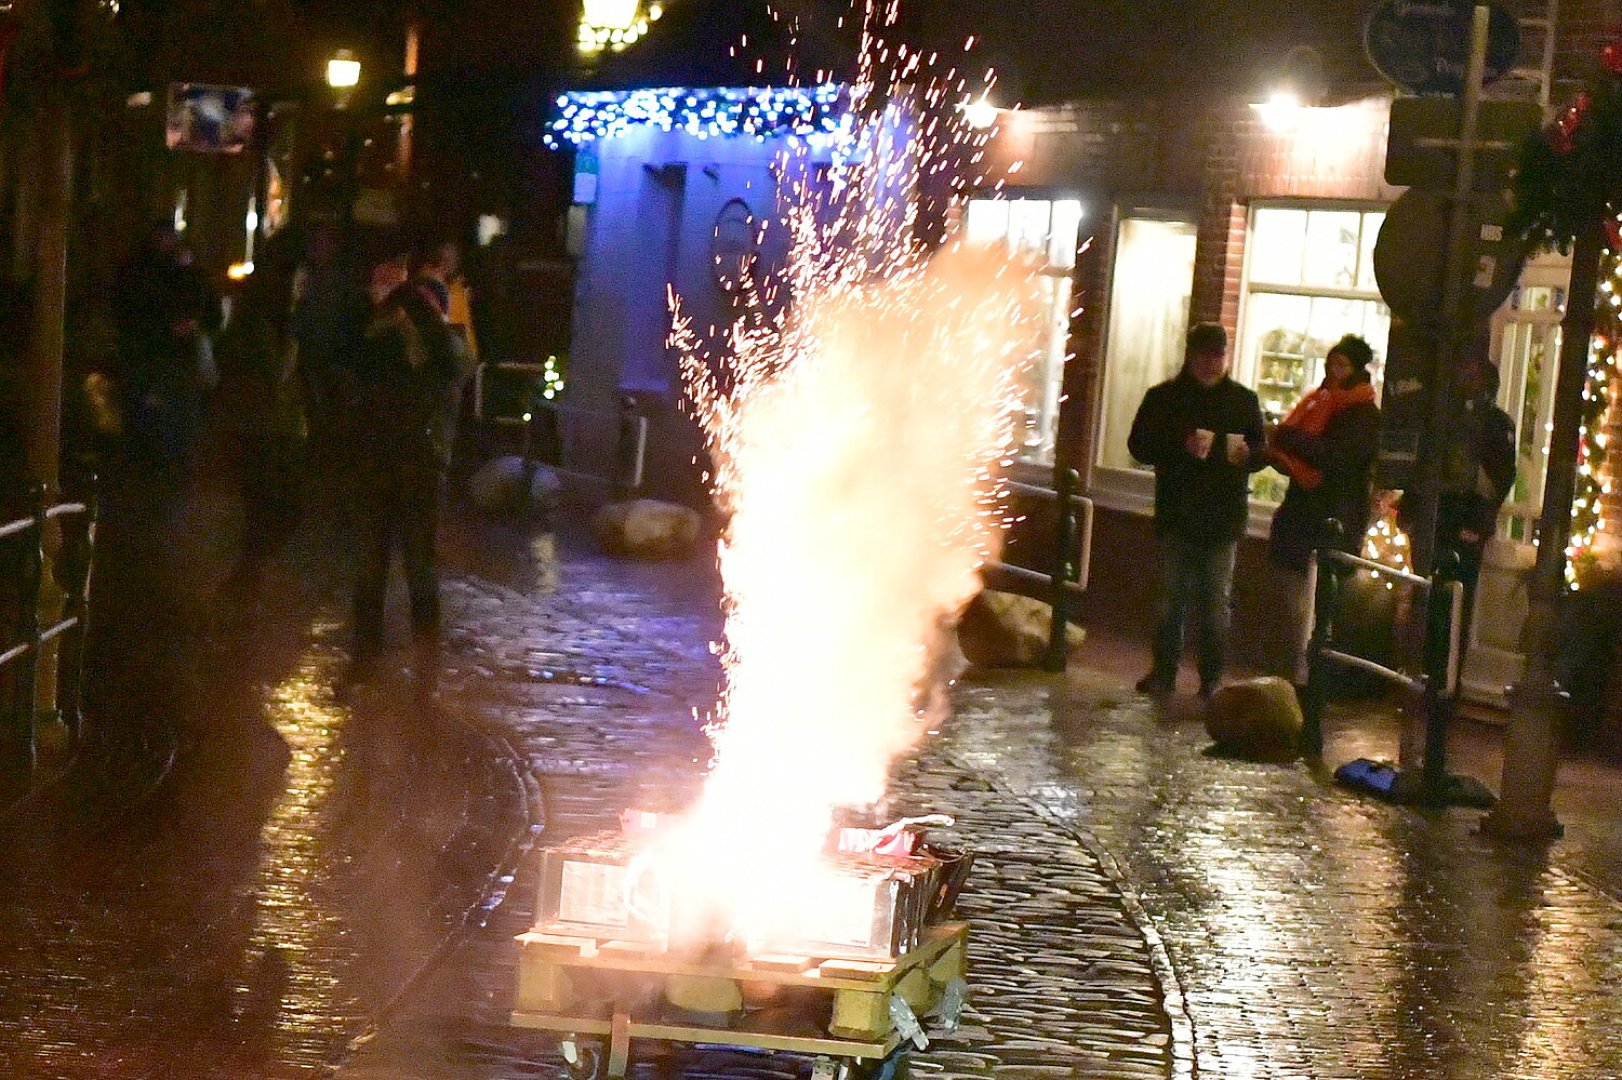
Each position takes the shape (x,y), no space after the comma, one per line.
(397,508)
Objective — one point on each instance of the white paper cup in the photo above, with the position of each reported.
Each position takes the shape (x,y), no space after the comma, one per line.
(1203,440)
(1236,445)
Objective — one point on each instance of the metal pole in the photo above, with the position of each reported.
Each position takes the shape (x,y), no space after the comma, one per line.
(1438,696)
(1064,567)
(1325,586)
(1423,537)
(1438,430)
(49,329)
(1531,757)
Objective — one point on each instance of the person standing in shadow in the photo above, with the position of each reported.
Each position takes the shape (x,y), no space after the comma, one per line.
(262,404)
(404,365)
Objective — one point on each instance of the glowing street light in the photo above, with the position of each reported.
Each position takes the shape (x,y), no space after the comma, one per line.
(343,71)
(614,24)
(980,114)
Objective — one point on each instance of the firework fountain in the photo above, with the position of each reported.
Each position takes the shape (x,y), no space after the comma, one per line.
(859,410)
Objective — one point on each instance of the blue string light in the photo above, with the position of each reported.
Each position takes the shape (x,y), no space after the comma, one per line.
(587,116)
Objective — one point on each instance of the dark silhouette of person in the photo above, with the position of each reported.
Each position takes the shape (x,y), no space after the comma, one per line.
(404,364)
(164,307)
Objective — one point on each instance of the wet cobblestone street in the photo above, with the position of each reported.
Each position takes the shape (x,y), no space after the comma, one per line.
(326,885)
(1314,932)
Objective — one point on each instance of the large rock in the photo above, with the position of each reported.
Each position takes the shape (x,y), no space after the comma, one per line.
(498,486)
(648,529)
(1258,718)
(1001,629)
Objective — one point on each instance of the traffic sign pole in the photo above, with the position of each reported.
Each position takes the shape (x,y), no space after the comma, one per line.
(1420,742)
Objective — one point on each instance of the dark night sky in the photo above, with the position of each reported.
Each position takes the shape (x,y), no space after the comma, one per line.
(1046,49)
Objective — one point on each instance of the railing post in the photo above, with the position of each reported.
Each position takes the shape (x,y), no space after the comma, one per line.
(1325,598)
(630,448)
(75,570)
(30,576)
(1065,569)
(1438,701)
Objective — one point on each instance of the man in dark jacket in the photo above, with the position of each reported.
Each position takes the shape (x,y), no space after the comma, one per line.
(403,365)
(1203,434)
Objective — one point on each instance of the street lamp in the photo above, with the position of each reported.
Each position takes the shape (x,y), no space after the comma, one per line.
(613,24)
(343,74)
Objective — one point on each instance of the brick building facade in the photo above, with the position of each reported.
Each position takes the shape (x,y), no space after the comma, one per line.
(1220,181)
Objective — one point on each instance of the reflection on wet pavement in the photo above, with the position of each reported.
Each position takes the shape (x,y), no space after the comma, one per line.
(1316,933)
(246,914)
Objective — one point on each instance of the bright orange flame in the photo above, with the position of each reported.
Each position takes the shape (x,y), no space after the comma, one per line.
(857,434)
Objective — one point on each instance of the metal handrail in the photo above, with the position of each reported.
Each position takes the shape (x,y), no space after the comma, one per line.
(1357,562)
(1442,651)
(24,652)
(1069,575)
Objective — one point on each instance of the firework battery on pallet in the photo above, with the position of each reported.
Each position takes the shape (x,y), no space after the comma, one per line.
(866,906)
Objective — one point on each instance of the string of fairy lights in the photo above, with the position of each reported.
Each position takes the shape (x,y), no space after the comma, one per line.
(1594,471)
(584,117)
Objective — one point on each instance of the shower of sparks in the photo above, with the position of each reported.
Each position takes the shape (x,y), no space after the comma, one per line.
(860,410)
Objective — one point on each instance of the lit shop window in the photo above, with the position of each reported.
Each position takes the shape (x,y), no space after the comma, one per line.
(1309,281)
(1148,320)
(1047,229)
(1527,329)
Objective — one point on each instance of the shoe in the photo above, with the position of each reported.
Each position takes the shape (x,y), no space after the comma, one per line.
(1155,683)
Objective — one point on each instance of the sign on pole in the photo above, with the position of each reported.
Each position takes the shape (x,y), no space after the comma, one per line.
(1424,47)
(1423,148)
(210,119)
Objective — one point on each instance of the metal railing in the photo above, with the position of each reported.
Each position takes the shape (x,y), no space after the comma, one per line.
(1072,561)
(1441,656)
(630,452)
(23,547)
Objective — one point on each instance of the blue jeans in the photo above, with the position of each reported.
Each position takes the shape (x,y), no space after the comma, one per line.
(1195,578)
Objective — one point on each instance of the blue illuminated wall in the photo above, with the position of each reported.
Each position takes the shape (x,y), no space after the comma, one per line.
(660,184)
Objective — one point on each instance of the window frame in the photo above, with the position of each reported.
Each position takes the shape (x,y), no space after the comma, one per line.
(1032,468)
(1261,511)
(1115,488)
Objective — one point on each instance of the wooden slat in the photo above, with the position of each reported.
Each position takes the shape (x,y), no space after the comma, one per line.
(574,952)
(682,1033)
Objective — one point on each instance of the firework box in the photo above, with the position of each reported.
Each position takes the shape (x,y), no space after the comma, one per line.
(867,906)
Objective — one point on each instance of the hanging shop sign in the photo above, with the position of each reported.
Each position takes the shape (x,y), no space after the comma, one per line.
(1424,47)
(207,119)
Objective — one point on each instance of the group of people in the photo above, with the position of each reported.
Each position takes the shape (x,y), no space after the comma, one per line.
(1204,435)
(372,366)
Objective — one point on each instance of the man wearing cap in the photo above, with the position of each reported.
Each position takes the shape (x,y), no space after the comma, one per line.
(1202,432)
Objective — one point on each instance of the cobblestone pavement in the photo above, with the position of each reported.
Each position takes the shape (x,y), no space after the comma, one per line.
(296,883)
(312,889)
(595,680)
(1316,933)
(241,872)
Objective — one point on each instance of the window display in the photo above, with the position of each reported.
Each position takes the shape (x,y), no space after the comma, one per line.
(1310,279)
(1048,230)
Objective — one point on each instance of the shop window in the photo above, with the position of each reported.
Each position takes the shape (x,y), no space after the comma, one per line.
(1527,329)
(1309,280)
(1048,230)
(1148,320)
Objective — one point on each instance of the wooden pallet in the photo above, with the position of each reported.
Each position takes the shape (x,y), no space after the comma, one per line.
(593,987)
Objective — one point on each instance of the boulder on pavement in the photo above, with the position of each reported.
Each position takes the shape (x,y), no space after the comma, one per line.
(648,529)
(1001,629)
(1258,718)
(498,486)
